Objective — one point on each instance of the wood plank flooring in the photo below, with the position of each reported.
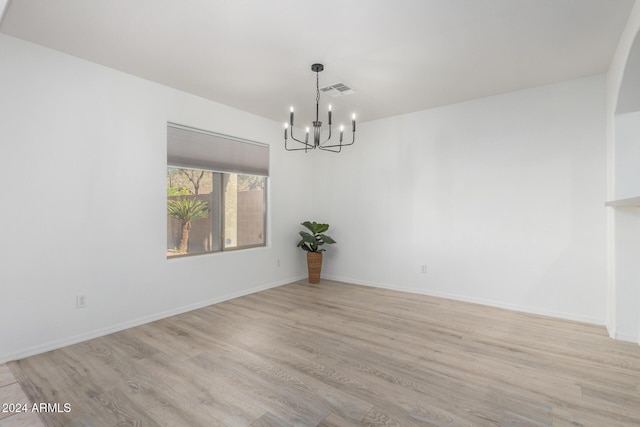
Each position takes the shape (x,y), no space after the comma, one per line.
(336,355)
(12,399)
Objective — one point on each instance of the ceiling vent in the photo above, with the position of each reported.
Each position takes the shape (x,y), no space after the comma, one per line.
(338,89)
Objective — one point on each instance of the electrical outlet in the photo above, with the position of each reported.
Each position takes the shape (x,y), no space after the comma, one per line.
(423,269)
(278,262)
(81,301)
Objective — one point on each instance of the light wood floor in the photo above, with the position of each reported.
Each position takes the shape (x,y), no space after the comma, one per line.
(342,355)
(11,394)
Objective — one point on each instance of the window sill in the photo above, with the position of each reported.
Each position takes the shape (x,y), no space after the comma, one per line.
(244,249)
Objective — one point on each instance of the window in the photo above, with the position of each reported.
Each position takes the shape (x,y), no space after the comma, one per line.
(213,203)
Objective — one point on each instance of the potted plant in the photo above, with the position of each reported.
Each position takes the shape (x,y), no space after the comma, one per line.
(311,242)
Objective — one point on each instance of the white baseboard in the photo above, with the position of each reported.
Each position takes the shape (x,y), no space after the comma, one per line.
(614,334)
(621,336)
(52,345)
(515,307)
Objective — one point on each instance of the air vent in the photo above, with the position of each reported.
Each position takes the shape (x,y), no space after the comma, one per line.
(338,89)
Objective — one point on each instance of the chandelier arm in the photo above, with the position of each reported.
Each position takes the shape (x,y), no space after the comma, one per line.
(297,140)
(296,149)
(331,150)
(326,140)
(301,142)
(305,148)
(353,139)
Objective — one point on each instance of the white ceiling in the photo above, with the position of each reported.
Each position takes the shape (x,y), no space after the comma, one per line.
(398,55)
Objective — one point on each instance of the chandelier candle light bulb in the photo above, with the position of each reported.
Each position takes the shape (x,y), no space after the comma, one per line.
(317,126)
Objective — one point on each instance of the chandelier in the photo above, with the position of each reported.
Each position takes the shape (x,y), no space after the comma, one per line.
(317,127)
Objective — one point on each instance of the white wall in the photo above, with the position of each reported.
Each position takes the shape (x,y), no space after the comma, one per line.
(83,151)
(502,199)
(627,153)
(623,181)
(627,274)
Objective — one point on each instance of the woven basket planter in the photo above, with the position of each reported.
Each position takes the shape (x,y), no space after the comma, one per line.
(314,265)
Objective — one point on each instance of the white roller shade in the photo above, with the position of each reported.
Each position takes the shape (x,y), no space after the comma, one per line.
(196,149)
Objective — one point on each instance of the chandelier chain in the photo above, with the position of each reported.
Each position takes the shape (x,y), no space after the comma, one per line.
(317,88)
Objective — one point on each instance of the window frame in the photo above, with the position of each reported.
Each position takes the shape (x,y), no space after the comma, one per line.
(221,244)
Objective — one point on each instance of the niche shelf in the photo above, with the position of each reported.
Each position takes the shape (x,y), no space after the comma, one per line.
(631,202)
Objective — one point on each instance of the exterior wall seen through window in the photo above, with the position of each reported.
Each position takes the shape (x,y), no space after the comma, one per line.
(211,211)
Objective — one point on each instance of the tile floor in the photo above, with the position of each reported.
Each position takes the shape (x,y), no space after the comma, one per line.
(11,393)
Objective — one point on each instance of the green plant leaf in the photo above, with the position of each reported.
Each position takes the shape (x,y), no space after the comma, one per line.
(308,238)
(321,228)
(327,239)
(303,245)
(187,209)
(312,241)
